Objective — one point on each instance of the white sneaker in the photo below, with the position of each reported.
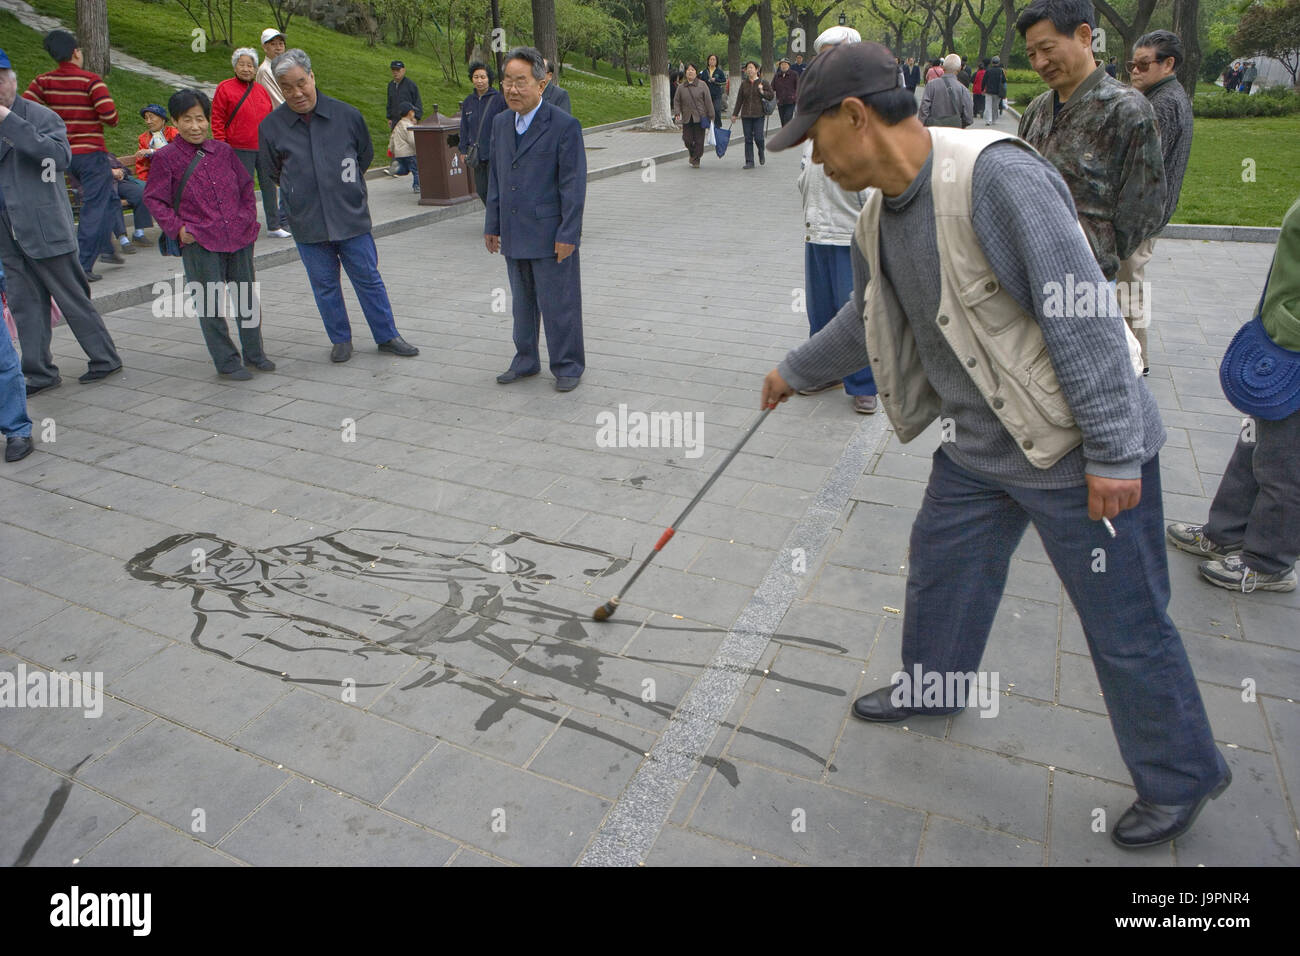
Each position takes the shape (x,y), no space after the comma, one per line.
(280,234)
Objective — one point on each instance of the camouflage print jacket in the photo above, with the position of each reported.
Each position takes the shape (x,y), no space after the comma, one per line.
(1105,144)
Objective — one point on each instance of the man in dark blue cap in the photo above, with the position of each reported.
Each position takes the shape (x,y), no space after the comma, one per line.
(1253,536)
(402,90)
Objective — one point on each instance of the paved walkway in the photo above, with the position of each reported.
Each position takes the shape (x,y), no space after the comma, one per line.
(322,650)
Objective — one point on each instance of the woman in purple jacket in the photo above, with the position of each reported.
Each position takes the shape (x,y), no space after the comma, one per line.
(212,215)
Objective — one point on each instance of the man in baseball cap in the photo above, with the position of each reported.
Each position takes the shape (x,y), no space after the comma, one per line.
(957,255)
(273,44)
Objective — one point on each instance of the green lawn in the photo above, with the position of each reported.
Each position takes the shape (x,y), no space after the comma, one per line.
(1213,190)
(160,33)
(130,90)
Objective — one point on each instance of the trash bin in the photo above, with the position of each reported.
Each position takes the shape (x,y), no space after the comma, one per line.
(444,180)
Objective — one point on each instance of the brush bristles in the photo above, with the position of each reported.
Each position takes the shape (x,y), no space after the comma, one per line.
(605,610)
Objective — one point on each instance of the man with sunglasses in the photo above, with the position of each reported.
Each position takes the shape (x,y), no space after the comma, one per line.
(1156,56)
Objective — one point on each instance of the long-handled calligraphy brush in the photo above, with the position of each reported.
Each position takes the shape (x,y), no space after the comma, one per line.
(605,610)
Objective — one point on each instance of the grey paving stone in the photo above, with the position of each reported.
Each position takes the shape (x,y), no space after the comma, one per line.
(355,752)
(82,640)
(797,713)
(468,857)
(198,690)
(1084,810)
(1234,720)
(875,538)
(310,825)
(1022,647)
(50,820)
(593,754)
(680,847)
(832,629)
(949,843)
(1220,660)
(1268,623)
(480,715)
(146,842)
(684,646)
(25,607)
(537,822)
(1248,825)
(737,563)
(1047,734)
(865,591)
(990,790)
(169,773)
(808,823)
(599,683)
(1284,727)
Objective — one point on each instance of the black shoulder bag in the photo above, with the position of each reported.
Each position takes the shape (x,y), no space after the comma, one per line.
(166,245)
(472,157)
(231,118)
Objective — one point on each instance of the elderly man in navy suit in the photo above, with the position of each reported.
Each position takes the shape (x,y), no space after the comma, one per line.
(537,185)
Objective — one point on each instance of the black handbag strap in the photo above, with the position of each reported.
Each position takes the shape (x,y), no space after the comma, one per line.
(947,88)
(231,118)
(185,178)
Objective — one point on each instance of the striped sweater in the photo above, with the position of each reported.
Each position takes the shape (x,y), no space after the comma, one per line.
(82,101)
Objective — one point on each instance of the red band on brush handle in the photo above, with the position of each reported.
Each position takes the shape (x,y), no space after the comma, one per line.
(663,539)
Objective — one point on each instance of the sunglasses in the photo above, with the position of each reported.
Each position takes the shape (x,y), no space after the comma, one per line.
(1141,66)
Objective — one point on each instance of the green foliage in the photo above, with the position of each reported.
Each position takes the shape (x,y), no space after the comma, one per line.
(1213,190)
(1275,101)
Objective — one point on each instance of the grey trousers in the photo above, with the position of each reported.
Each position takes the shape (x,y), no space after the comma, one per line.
(32,283)
(1257,505)
(211,269)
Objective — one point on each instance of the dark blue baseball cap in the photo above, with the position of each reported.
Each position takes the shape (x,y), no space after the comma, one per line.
(4,61)
(1260,377)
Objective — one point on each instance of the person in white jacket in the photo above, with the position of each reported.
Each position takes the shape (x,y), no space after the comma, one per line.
(401,143)
(830,215)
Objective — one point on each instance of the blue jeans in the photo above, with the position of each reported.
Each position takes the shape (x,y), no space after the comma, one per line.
(828,281)
(361,260)
(132,190)
(95,227)
(14,422)
(961,547)
(406,164)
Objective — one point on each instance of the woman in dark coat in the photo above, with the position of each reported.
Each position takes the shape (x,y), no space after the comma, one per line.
(749,107)
(717,83)
(476,113)
(692,106)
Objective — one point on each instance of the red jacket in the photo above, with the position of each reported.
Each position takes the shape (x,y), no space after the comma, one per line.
(243,134)
(142,164)
(978,87)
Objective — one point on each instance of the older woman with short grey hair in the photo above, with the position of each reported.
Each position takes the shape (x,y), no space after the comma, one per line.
(238,108)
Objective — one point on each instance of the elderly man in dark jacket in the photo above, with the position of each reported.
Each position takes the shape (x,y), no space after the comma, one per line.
(318,149)
(402,89)
(537,188)
(38,244)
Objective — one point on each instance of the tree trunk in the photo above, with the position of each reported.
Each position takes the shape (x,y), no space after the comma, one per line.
(661,107)
(1129,32)
(1008,31)
(1187,21)
(92,34)
(767,39)
(544,29)
(735,27)
(627,69)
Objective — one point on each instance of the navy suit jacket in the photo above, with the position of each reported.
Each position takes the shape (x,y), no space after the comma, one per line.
(558,98)
(536,190)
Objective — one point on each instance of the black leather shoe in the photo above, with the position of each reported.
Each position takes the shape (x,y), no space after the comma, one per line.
(113,258)
(398,346)
(263,364)
(566,383)
(93,277)
(341,352)
(879,708)
(16,449)
(239,375)
(95,376)
(508,376)
(35,389)
(1150,824)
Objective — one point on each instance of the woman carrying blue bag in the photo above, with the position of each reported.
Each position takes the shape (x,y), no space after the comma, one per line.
(693,108)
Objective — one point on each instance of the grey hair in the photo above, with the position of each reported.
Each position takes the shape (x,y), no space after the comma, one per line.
(243,51)
(287,60)
(531,55)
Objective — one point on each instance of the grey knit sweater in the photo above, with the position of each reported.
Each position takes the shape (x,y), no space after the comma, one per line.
(1174,120)
(1025,221)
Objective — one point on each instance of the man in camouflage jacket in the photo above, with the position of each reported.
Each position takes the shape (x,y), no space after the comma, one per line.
(1099,134)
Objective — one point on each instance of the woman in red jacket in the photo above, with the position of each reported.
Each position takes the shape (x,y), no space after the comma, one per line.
(238,108)
(159,135)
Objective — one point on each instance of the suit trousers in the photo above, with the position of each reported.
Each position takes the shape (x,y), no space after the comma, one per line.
(253,162)
(212,270)
(360,259)
(547,292)
(32,283)
(828,282)
(95,228)
(1257,506)
(961,546)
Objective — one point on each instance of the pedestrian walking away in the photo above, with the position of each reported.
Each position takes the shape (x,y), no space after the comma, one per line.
(329,213)
(202,196)
(1051,422)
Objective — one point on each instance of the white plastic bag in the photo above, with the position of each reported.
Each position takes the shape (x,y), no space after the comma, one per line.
(709,138)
